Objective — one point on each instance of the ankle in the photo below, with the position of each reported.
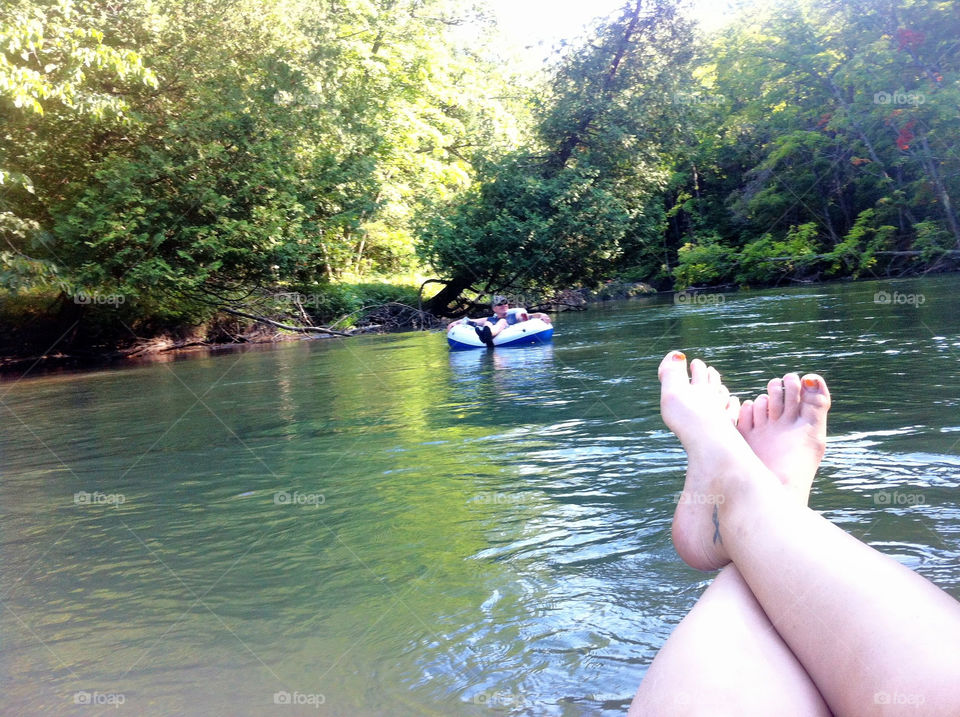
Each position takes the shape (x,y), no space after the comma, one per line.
(750,491)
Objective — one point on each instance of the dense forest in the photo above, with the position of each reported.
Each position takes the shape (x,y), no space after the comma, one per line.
(168,167)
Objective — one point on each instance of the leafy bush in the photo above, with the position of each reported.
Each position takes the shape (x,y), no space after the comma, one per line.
(932,240)
(767,259)
(855,254)
(333,302)
(706,262)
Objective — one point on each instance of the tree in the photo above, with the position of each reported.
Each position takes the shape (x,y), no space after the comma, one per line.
(837,118)
(56,70)
(270,145)
(563,210)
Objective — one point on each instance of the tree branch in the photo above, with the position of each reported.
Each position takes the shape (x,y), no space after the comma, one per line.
(285,327)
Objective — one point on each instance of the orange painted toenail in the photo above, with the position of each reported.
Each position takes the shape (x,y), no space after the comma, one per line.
(810,382)
(679,356)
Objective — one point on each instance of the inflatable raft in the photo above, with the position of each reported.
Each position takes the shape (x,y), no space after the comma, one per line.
(534,331)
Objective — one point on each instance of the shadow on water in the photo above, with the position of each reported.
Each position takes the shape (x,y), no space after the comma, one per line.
(393,528)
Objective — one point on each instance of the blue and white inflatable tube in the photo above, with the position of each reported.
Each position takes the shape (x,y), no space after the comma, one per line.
(534,331)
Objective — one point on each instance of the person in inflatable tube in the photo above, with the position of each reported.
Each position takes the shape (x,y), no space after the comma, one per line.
(502,318)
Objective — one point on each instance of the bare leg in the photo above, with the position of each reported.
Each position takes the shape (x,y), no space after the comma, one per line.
(726,654)
(498,327)
(875,637)
(725,651)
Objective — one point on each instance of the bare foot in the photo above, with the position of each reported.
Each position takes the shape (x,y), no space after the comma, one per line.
(698,408)
(787,429)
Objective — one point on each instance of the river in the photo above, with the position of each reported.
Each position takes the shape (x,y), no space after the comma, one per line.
(378,526)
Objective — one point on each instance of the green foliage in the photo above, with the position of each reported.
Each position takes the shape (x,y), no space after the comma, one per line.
(570,208)
(768,258)
(201,217)
(705,262)
(341,301)
(517,228)
(932,241)
(50,51)
(57,71)
(831,114)
(633,274)
(187,155)
(857,252)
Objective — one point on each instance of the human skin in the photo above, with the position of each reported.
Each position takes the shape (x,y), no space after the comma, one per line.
(875,637)
(726,652)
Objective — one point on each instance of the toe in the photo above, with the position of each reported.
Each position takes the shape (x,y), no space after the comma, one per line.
(814,398)
(698,372)
(760,414)
(673,370)
(745,421)
(713,376)
(714,380)
(733,409)
(775,398)
(791,396)
(723,394)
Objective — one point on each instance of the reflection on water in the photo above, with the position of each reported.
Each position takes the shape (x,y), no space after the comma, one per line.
(493,532)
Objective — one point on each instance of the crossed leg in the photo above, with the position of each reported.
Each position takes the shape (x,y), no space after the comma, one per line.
(874,637)
(725,651)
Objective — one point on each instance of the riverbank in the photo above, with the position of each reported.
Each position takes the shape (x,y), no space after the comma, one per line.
(84,336)
(67,344)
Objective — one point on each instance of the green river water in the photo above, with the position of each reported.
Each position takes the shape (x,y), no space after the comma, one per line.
(378,526)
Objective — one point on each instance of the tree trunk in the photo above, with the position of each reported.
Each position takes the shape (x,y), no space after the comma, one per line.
(560,158)
(931,167)
(439,305)
(363,241)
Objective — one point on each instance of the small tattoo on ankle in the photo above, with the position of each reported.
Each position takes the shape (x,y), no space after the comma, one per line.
(716,527)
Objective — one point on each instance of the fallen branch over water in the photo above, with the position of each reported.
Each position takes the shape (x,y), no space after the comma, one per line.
(392,316)
(285,327)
